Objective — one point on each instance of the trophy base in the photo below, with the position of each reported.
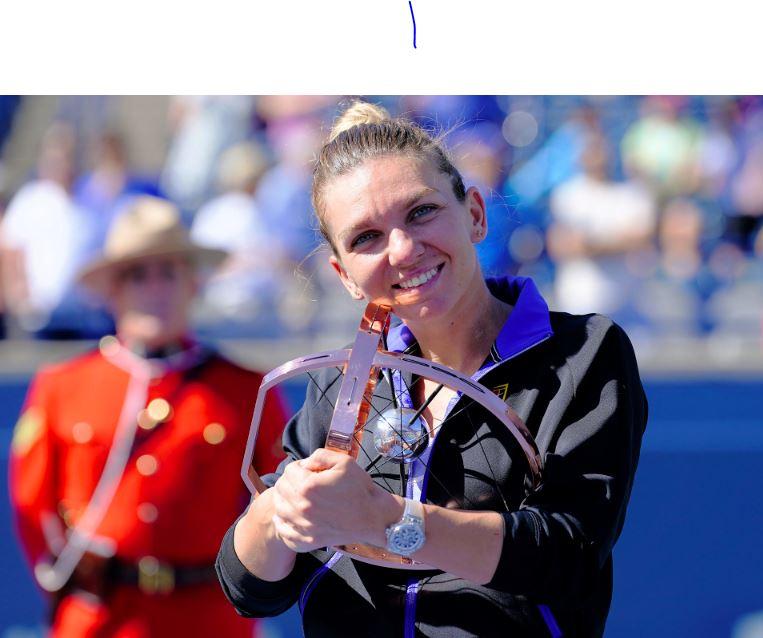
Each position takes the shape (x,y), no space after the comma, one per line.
(381,557)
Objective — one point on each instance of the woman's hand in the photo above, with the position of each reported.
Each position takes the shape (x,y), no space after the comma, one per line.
(327,499)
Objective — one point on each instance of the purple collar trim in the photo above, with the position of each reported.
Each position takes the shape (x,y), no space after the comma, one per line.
(527,325)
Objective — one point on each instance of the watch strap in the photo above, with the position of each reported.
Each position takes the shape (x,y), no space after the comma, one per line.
(414,508)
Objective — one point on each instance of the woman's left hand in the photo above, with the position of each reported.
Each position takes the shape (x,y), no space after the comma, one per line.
(327,499)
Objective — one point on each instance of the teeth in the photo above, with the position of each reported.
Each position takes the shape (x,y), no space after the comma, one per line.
(418,281)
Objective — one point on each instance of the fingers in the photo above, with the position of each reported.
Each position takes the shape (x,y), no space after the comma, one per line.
(292,537)
(317,500)
(297,483)
(323,459)
(290,501)
(297,498)
(291,513)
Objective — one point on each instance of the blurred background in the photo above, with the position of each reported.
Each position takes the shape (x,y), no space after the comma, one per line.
(647,209)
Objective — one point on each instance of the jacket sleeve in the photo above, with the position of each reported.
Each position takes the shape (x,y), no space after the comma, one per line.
(557,543)
(32,475)
(251,596)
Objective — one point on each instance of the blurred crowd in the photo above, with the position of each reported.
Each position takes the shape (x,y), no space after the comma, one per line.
(648,209)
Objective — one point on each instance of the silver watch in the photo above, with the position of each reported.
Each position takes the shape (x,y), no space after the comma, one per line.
(407,535)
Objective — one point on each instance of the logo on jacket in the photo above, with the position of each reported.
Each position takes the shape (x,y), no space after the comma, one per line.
(501,391)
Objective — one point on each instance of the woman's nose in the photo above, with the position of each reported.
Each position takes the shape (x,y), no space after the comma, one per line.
(404,249)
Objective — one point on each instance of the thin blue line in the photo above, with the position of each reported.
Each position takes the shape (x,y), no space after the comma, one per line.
(550,621)
(414,23)
(411,592)
(316,577)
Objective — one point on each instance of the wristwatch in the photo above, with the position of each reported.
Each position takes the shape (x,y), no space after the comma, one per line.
(407,535)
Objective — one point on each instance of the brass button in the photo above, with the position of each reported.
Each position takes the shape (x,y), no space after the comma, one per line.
(108,345)
(65,512)
(214,433)
(159,410)
(68,512)
(147,464)
(82,432)
(155,577)
(148,512)
(63,505)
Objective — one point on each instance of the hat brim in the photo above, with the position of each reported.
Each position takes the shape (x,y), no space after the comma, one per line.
(97,276)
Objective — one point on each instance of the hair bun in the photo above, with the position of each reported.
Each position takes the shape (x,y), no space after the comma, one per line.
(358,113)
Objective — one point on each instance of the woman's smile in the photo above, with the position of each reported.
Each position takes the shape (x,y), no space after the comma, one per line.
(421,280)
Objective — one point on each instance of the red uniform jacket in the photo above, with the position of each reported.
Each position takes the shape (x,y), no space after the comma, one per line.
(179,492)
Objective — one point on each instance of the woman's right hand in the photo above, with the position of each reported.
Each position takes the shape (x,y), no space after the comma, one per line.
(327,500)
(257,544)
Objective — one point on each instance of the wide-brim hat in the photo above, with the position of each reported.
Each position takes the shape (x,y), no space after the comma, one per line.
(148,227)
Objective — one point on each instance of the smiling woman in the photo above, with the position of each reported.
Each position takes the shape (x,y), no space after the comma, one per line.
(502,555)
(402,227)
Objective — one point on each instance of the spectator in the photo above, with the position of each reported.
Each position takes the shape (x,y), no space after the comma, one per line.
(284,193)
(673,294)
(293,133)
(740,198)
(663,148)
(105,189)
(203,126)
(556,161)
(747,194)
(257,269)
(46,237)
(597,225)
(736,307)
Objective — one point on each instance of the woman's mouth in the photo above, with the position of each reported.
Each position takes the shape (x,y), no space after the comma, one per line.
(419,280)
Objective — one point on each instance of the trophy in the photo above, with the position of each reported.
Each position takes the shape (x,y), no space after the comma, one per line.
(397,432)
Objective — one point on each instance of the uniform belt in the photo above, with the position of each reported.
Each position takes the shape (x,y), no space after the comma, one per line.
(152,576)
(98,575)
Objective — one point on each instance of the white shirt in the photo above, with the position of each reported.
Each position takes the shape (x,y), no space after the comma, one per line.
(601,211)
(44,223)
(231,222)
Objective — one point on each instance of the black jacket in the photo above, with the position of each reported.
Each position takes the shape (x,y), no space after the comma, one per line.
(580,395)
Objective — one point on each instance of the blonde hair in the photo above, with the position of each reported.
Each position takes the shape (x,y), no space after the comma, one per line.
(364,131)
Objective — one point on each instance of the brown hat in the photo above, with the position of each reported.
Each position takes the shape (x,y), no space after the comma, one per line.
(150,227)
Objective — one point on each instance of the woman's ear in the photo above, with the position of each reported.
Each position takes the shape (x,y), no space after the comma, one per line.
(475,204)
(346,280)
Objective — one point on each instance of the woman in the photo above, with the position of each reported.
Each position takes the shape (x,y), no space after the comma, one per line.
(507,559)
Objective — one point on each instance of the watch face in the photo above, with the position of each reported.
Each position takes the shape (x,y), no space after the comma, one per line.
(406,538)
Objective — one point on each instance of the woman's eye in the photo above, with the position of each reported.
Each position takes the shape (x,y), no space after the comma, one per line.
(422,211)
(361,239)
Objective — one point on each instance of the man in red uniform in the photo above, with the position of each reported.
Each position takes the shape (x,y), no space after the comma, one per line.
(125,462)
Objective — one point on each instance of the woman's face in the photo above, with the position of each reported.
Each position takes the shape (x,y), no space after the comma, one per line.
(403,239)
